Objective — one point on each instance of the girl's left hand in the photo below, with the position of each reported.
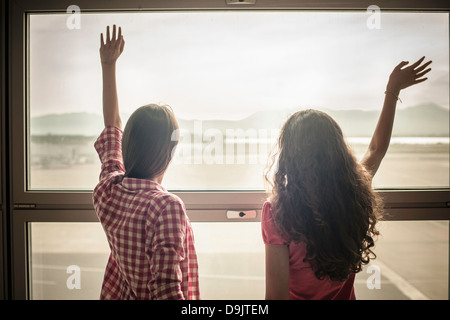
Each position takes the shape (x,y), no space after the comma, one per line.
(113,47)
(406,77)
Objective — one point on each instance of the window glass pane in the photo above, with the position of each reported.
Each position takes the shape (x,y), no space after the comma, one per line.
(67,260)
(230,257)
(412,261)
(244,72)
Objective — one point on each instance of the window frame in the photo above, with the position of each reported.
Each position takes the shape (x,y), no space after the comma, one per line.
(62,206)
(3,211)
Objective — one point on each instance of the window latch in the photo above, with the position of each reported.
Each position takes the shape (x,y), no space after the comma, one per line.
(249,214)
(233,2)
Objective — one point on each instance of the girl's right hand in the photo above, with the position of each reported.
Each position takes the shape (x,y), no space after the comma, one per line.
(112,48)
(406,77)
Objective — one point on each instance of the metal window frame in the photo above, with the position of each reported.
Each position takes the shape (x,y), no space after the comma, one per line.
(58,206)
(3,212)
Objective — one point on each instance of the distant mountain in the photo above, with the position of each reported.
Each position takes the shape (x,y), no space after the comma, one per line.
(421,120)
(424,120)
(81,123)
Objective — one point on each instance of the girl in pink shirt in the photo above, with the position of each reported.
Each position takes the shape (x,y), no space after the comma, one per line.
(319,224)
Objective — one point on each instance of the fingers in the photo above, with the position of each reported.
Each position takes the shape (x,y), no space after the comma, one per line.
(418,62)
(122,44)
(114,33)
(115,38)
(414,65)
(102,43)
(119,39)
(401,64)
(421,74)
(423,66)
(419,80)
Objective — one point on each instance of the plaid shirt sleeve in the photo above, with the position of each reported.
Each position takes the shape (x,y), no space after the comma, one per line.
(109,148)
(167,251)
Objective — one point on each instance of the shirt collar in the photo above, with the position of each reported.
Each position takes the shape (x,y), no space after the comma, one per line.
(141,184)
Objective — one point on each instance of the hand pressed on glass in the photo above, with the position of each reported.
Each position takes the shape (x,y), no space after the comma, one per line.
(113,47)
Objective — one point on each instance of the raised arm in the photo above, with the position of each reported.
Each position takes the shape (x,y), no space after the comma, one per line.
(110,50)
(401,77)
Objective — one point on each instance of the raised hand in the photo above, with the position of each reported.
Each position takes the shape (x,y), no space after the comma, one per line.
(403,77)
(112,48)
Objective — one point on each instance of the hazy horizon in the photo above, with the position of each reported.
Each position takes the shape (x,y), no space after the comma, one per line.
(99,112)
(423,120)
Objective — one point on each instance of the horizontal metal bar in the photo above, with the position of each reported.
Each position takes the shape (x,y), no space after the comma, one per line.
(237,200)
(36,215)
(417,214)
(56,5)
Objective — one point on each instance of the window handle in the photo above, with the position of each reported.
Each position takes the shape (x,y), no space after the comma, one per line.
(241,2)
(249,214)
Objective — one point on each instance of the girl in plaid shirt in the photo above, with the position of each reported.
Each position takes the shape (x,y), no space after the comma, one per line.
(149,234)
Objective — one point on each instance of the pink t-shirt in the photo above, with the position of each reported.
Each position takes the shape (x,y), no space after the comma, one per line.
(303,284)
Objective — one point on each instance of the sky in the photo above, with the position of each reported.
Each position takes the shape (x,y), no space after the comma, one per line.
(228,65)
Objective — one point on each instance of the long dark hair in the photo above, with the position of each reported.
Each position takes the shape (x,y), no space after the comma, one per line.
(148,144)
(322,197)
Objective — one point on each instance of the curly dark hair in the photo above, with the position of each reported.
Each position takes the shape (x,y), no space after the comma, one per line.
(322,196)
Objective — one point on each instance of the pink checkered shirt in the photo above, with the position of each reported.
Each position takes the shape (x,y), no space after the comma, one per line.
(150,236)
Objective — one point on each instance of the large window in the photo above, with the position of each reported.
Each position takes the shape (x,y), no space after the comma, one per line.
(232,79)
